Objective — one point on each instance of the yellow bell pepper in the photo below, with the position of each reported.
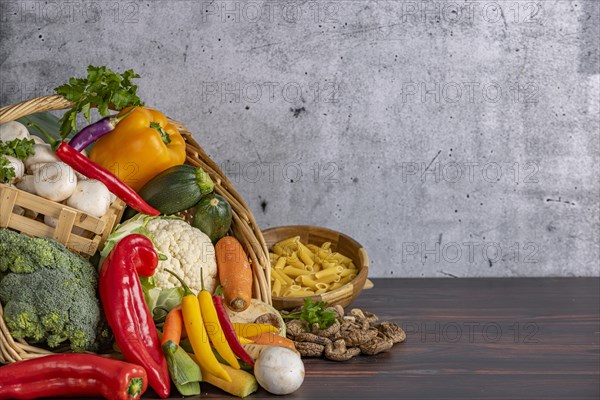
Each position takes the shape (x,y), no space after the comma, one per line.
(142,145)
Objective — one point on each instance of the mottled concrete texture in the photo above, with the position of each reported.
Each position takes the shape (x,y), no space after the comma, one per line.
(450,138)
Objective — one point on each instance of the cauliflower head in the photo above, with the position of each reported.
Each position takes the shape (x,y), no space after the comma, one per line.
(183,249)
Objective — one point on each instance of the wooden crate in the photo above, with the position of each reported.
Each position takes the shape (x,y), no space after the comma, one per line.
(78,231)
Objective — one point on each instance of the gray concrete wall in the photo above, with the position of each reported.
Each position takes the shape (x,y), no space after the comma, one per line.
(451,138)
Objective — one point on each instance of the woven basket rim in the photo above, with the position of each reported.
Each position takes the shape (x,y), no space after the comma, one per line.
(244,226)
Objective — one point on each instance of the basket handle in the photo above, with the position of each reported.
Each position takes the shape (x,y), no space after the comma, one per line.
(32,106)
(52,103)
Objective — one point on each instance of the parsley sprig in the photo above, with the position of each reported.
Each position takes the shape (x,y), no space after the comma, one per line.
(18,148)
(314,313)
(103,89)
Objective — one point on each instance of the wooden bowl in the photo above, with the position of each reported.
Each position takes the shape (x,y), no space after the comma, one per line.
(339,242)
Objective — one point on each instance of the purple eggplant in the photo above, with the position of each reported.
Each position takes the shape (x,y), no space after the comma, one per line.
(95,131)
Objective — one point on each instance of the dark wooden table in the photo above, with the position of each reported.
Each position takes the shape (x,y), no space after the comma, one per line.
(472,339)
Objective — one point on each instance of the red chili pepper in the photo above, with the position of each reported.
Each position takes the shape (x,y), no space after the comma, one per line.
(125,308)
(72,375)
(229,332)
(87,167)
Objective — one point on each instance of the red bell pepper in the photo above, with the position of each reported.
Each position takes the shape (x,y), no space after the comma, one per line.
(72,375)
(87,167)
(229,332)
(125,308)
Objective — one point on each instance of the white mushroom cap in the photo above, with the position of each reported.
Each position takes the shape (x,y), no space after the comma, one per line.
(55,181)
(91,197)
(27,183)
(13,130)
(42,153)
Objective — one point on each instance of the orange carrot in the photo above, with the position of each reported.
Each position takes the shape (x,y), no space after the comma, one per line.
(235,273)
(172,327)
(273,339)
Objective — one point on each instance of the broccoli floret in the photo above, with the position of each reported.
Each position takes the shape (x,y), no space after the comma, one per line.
(48,292)
(22,321)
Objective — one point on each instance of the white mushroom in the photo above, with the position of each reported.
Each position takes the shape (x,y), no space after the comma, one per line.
(55,181)
(42,153)
(13,130)
(17,165)
(91,197)
(27,183)
(279,370)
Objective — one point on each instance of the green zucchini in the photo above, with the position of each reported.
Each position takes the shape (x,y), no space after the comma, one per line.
(175,189)
(213,216)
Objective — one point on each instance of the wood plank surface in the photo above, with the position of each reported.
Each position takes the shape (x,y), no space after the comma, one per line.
(472,339)
(513,338)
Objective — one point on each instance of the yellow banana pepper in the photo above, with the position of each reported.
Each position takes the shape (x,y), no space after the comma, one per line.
(244,340)
(249,330)
(215,332)
(196,332)
(213,327)
(142,145)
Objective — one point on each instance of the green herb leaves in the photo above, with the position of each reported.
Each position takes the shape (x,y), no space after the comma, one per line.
(18,148)
(7,172)
(315,313)
(103,89)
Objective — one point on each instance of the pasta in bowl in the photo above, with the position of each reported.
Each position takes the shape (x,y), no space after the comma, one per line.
(315,262)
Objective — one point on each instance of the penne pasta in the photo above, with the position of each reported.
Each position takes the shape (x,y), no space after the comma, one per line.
(329,278)
(324,254)
(329,271)
(294,261)
(308,282)
(293,272)
(305,254)
(282,276)
(341,258)
(277,249)
(303,270)
(291,241)
(348,271)
(329,264)
(316,267)
(276,289)
(296,264)
(280,263)
(314,248)
(347,279)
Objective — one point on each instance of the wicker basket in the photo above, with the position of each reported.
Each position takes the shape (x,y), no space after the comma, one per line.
(243,227)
